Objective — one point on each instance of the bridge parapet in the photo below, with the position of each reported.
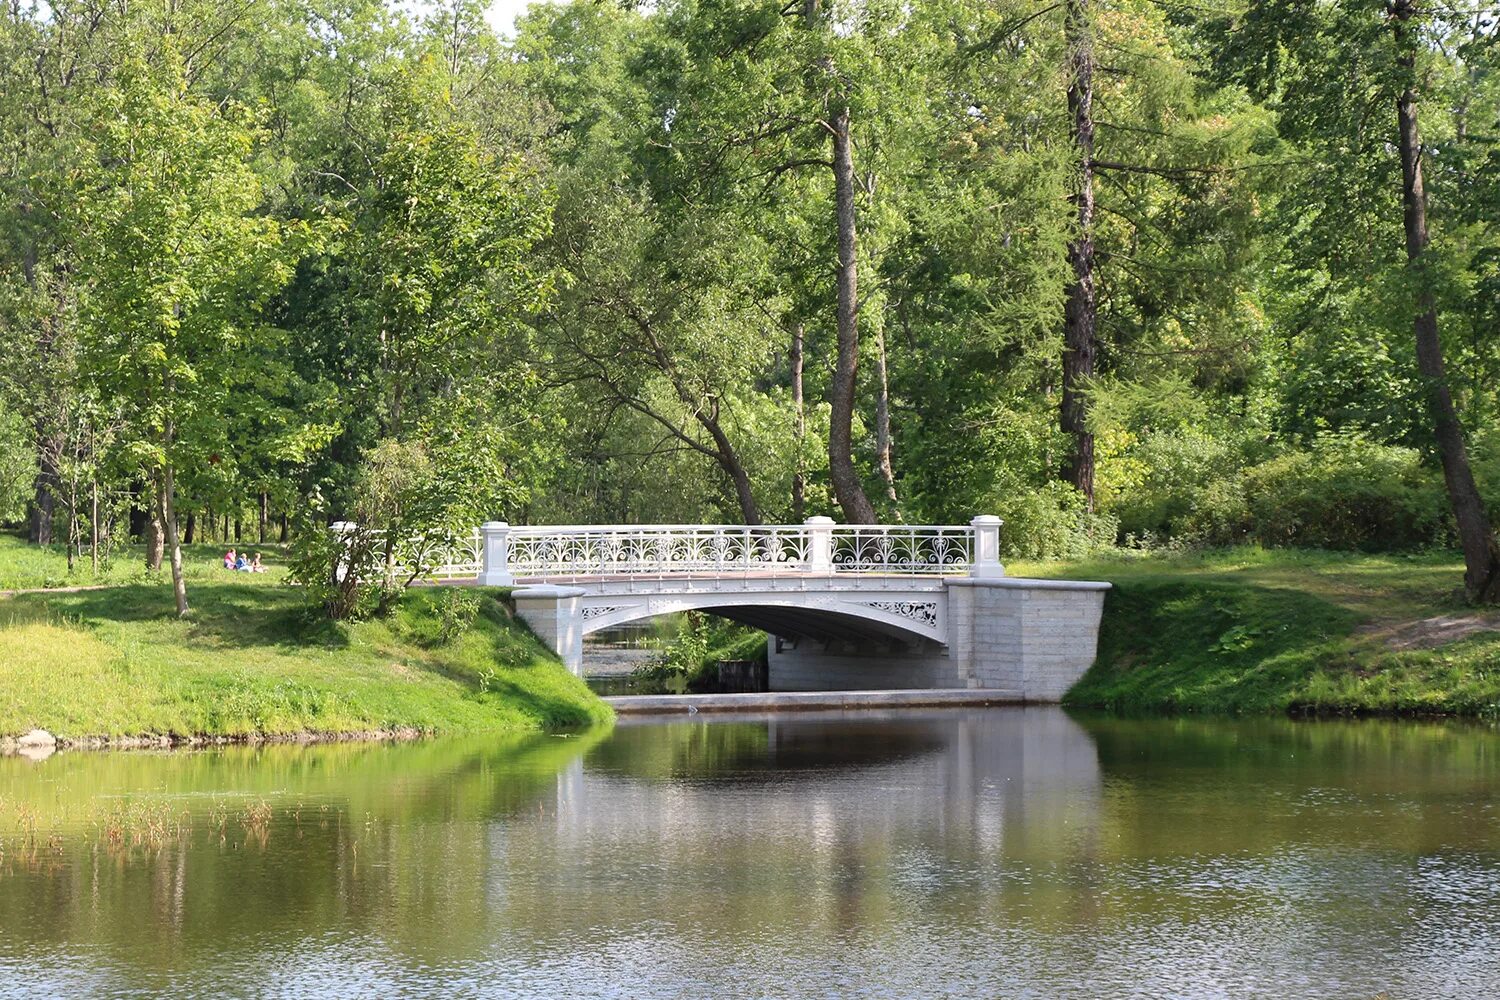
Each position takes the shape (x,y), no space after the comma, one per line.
(818,547)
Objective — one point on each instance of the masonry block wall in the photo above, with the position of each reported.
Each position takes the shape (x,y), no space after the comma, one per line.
(1033,638)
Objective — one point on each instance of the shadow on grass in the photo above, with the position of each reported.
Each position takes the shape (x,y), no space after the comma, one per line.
(223,616)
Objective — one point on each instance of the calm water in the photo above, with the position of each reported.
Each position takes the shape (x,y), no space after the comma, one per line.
(1003,853)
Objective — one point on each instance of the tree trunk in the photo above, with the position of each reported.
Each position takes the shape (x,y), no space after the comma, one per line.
(42,511)
(190,534)
(155,537)
(238,529)
(1080,312)
(1480,548)
(883,422)
(168,515)
(729,461)
(283,528)
(43,507)
(799,476)
(265,515)
(847,488)
(94,526)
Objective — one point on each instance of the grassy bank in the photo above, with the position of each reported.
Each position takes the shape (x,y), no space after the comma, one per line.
(115,662)
(1252,630)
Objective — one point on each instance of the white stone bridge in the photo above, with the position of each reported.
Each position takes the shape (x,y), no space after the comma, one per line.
(845,606)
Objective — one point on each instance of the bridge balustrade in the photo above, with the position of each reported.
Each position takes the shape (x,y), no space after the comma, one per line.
(501,554)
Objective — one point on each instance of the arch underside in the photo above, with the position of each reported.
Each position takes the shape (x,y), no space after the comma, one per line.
(880,618)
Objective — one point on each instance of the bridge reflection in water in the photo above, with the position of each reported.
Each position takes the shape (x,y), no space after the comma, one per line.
(961,853)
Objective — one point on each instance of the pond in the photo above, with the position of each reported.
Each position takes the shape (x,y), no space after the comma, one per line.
(962,853)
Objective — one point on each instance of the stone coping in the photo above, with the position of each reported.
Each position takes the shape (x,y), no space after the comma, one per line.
(1024,583)
(803,701)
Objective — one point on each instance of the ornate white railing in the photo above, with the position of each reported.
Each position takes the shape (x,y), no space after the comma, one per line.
(818,547)
(500,554)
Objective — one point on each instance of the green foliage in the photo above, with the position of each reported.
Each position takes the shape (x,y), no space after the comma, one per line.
(456,611)
(17,466)
(1345,493)
(690,659)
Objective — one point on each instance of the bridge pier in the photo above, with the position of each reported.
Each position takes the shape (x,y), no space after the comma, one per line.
(1034,638)
(555,615)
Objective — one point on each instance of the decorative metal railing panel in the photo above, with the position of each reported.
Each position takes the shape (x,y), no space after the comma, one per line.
(725,550)
(902,549)
(590,552)
(648,550)
(450,557)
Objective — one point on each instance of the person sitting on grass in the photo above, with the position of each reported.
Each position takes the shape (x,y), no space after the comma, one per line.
(255,566)
(229,559)
(241,565)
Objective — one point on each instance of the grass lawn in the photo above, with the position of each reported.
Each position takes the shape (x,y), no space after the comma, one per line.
(250,661)
(1253,630)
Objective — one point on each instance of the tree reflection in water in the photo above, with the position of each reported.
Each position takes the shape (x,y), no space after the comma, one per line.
(958,852)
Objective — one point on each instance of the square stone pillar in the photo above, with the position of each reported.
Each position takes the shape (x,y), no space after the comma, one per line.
(819,544)
(986,563)
(494,541)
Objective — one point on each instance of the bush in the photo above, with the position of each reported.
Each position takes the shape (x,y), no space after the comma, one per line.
(1053,522)
(1344,493)
(1189,488)
(456,610)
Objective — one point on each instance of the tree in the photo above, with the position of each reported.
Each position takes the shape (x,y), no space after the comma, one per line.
(1476,537)
(177,268)
(1364,258)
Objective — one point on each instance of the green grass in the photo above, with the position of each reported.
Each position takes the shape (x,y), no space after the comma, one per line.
(27,567)
(250,660)
(1256,631)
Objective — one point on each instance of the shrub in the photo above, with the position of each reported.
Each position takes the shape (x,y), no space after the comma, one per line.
(1344,493)
(456,610)
(1053,522)
(1189,487)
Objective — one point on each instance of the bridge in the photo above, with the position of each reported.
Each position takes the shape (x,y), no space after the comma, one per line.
(844,606)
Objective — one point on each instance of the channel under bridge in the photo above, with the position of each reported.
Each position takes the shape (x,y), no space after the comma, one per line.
(844,606)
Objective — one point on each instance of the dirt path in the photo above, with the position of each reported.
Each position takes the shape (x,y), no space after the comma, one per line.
(56,590)
(1430,633)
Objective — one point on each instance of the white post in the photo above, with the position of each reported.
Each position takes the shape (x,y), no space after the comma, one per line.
(819,544)
(986,564)
(495,541)
(341,530)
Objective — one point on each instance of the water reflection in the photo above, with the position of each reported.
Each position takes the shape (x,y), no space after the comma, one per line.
(945,853)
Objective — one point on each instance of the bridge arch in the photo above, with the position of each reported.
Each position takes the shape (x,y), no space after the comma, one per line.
(887,617)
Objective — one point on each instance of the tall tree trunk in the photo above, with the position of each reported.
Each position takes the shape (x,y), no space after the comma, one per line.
(1477,539)
(190,535)
(799,475)
(43,506)
(265,515)
(238,529)
(883,422)
(729,461)
(284,530)
(847,488)
(155,536)
(168,514)
(94,526)
(1080,312)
